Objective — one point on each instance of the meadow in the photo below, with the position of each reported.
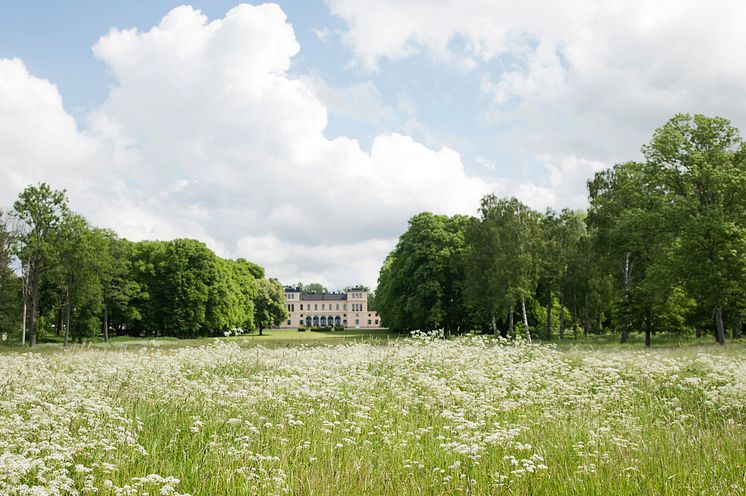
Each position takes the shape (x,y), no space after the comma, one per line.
(367,414)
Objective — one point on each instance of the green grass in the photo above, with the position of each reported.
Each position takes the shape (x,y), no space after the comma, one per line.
(271,338)
(365,412)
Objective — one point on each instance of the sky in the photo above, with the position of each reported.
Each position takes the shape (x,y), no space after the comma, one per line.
(302,135)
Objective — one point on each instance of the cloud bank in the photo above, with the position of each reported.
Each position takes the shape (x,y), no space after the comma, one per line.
(206,135)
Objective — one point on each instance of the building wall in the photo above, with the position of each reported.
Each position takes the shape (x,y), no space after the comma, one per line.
(351,313)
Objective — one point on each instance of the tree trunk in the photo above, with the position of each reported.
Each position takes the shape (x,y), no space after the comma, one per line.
(23,326)
(586,316)
(625,324)
(261,328)
(511,334)
(494,325)
(58,321)
(737,326)
(549,314)
(33,320)
(106,322)
(67,320)
(574,314)
(562,315)
(720,331)
(648,328)
(697,331)
(525,319)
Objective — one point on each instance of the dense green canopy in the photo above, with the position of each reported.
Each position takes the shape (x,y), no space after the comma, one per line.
(661,248)
(81,281)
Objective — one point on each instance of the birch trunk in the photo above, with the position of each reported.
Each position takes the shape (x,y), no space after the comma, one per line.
(33,319)
(625,325)
(525,319)
(494,325)
(586,316)
(23,325)
(562,315)
(511,334)
(574,314)
(549,314)
(106,322)
(67,320)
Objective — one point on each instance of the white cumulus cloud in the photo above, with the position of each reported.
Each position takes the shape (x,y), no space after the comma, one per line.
(205,134)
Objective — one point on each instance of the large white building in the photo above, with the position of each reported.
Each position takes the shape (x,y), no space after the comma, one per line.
(349,309)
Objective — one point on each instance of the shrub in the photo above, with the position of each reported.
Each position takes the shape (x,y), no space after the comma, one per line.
(321,329)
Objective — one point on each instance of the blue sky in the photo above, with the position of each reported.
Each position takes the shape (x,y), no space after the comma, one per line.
(303,135)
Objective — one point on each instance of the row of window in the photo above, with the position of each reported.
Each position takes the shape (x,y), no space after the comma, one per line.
(323,321)
(323,306)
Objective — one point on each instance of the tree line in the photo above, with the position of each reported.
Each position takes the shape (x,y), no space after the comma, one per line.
(61,276)
(661,248)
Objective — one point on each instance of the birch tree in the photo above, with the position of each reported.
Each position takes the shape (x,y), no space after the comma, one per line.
(39,211)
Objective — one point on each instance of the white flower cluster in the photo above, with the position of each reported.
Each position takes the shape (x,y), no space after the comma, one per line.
(425,415)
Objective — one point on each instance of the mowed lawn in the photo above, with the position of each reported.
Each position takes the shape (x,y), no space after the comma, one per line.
(365,412)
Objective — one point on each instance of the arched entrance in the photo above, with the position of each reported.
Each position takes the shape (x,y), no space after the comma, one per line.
(323,321)
(315,321)
(308,321)
(337,321)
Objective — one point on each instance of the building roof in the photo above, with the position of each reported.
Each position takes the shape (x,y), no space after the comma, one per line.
(324,297)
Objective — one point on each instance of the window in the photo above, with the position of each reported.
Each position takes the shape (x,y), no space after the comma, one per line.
(376,322)
(345,306)
(357,321)
(322,306)
(301,306)
(315,306)
(288,322)
(337,306)
(369,322)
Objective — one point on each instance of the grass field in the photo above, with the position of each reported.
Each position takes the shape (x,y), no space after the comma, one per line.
(366,413)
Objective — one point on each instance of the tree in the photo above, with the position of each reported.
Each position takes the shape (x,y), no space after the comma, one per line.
(509,250)
(628,215)
(81,254)
(699,164)
(313,288)
(246,277)
(562,249)
(10,284)
(120,290)
(39,211)
(269,304)
(420,285)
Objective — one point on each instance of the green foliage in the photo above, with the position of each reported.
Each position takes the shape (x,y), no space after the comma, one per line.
(269,304)
(10,284)
(313,288)
(39,211)
(698,166)
(421,284)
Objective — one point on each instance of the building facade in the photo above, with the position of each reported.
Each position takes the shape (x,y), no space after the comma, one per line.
(348,310)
